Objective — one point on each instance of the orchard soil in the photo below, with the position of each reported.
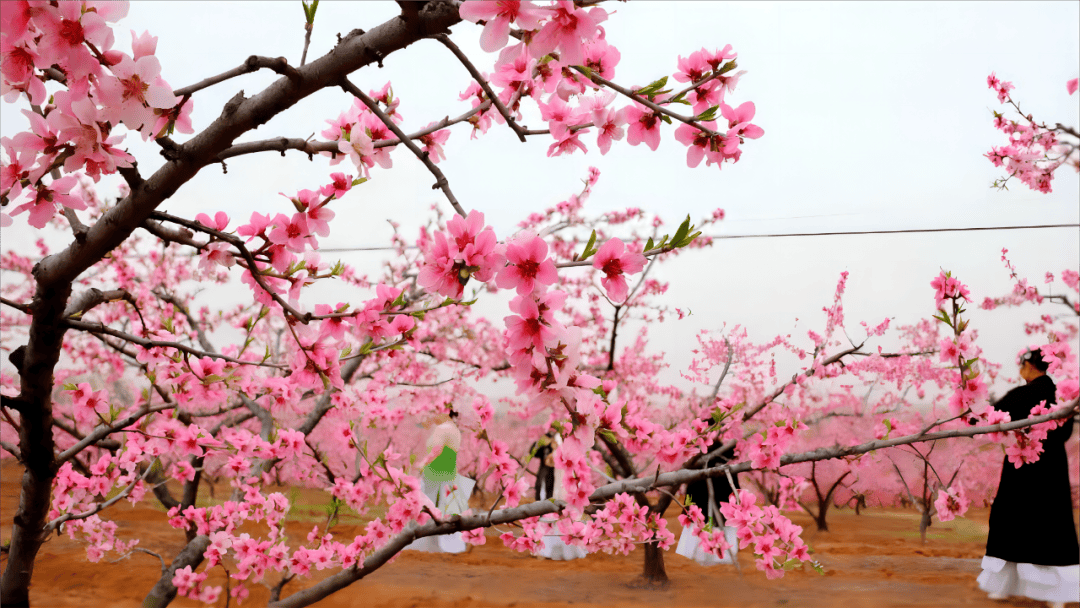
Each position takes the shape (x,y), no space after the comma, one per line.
(874,560)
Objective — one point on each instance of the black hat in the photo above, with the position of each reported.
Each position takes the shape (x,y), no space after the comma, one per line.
(1035,358)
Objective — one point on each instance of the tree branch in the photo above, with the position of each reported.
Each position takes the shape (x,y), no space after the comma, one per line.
(251,64)
(479,78)
(440,180)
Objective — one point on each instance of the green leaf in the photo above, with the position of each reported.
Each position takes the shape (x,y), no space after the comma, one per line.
(709,114)
(588,246)
(607,434)
(689,239)
(648,245)
(727,67)
(652,87)
(309,10)
(681,233)
(69,386)
(345,352)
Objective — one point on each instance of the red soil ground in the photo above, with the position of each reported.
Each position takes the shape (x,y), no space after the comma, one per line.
(871,560)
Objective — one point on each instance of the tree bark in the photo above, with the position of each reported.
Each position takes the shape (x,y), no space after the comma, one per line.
(40,356)
(55,273)
(164,592)
(654,576)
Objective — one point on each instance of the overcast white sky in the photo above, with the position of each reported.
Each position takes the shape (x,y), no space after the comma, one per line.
(876,116)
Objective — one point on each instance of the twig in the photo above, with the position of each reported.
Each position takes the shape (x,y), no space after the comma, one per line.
(101,328)
(253,63)
(479,78)
(23,308)
(440,180)
(723,374)
(252,265)
(103,430)
(645,102)
(52,525)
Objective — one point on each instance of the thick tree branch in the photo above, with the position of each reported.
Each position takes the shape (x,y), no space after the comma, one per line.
(164,591)
(87,300)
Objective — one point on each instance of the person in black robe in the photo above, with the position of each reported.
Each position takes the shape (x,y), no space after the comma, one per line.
(1032,546)
(545,475)
(698,491)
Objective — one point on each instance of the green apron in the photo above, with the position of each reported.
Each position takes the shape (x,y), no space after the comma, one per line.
(444,467)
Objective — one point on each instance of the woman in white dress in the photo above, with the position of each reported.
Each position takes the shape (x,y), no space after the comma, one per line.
(554,546)
(448,490)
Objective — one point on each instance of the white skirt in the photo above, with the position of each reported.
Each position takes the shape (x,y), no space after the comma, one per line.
(1046,583)
(450,502)
(690,546)
(554,547)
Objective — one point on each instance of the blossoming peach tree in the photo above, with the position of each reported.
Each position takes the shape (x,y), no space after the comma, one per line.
(117,390)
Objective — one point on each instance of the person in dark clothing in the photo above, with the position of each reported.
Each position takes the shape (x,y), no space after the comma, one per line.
(698,492)
(1032,548)
(545,475)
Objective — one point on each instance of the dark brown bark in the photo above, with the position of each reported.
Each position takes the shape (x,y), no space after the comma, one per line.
(55,273)
(164,592)
(35,440)
(654,576)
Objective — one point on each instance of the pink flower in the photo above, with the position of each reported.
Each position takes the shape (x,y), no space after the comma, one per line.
(613,259)
(528,266)
(608,121)
(1072,85)
(644,126)
(739,120)
(526,329)
(568,30)
(951,503)
(256,227)
(44,197)
(498,16)
(474,536)
(216,253)
(338,187)
(947,287)
(700,144)
(433,144)
(143,45)
(133,90)
(292,233)
(568,144)
(219,223)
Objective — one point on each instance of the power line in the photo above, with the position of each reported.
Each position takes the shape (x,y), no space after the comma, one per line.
(763,236)
(908,231)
